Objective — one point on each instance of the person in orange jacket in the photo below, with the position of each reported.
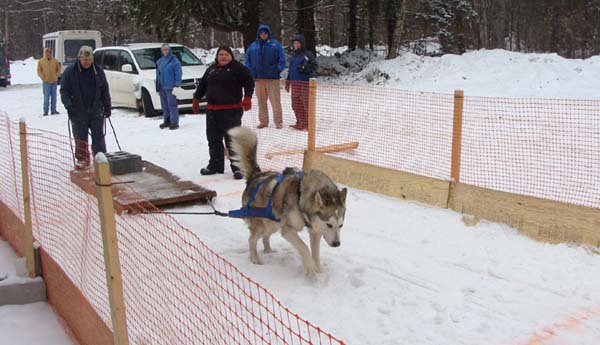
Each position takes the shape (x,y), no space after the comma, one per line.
(48,69)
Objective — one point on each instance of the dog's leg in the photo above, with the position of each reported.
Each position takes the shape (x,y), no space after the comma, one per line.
(255,234)
(315,246)
(267,244)
(307,261)
(270,228)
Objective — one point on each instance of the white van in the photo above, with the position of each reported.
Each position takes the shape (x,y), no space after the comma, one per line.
(131,73)
(65,44)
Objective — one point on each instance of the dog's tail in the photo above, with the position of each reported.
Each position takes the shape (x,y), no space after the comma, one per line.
(244,145)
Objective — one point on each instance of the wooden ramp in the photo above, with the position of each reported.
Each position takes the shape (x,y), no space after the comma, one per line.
(154,186)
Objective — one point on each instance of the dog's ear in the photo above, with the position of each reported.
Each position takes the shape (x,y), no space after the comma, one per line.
(343,193)
(318,200)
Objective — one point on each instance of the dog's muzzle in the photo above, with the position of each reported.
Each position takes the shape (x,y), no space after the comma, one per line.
(335,243)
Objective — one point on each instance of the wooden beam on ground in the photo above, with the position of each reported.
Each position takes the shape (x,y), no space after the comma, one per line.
(540,219)
(380,180)
(323,149)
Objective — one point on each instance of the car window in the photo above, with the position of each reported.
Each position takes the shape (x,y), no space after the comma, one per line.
(110,61)
(146,58)
(98,57)
(125,59)
(72,48)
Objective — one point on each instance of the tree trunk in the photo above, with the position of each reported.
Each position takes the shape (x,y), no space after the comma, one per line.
(250,18)
(396,38)
(352,4)
(373,11)
(270,14)
(305,22)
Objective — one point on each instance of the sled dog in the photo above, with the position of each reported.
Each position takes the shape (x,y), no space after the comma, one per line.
(288,202)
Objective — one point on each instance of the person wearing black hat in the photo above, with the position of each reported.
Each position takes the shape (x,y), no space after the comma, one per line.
(84,93)
(223,83)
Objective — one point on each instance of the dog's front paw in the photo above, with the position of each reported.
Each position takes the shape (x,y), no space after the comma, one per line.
(311,270)
(255,260)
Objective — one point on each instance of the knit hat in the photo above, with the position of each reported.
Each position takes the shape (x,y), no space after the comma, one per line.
(165,45)
(86,51)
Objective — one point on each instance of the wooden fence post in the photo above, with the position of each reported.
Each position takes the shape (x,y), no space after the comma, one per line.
(312,108)
(457,135)
(111,249)
(29,255)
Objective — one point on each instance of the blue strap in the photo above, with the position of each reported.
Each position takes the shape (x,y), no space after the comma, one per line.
(261,212)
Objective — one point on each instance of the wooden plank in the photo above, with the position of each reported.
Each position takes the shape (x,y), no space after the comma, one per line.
(457,135)
(540,219)
(312,116)
(110,245)
(353,145)
(380,180)
(29,256)
(154,186)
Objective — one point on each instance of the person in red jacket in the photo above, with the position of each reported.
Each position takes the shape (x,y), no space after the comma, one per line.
(223,83)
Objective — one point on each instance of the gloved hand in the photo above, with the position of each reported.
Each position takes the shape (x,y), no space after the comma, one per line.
(107,112)
(287,86)
(301,68)
(247,103)
(196,106)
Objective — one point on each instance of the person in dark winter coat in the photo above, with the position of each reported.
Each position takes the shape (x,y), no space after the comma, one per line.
(223,83)
(265,59)
(84,93)
(302,67)
(168,77)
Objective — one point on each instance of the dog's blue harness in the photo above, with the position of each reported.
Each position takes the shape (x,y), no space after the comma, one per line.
(260,212)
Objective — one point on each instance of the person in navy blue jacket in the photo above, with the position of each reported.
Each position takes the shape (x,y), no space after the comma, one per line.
(84,93)
(302,67)
(265,59)
(168,77)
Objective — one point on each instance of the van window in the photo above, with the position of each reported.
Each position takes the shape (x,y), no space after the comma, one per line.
(51,44)
(72,48)
(98,57)
(110,61)
(147,58)
(126,59)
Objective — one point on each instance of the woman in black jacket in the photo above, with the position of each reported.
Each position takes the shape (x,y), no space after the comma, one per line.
(222,84)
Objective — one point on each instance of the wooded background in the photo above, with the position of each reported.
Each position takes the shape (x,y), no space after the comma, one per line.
(570,28)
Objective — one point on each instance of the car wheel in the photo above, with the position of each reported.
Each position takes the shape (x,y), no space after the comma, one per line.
(3,83)
(147,104)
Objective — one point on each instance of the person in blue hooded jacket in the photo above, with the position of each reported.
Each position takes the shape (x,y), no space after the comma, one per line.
(265,59)
(302,67)
(168,77)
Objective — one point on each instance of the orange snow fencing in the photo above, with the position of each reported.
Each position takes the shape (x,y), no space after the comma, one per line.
(176,289)
(544,148)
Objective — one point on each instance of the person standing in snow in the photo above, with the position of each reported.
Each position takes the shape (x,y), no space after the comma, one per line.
(302,67)
(48,69)
(223,83)
(265,59)
(84,93)
(168,77)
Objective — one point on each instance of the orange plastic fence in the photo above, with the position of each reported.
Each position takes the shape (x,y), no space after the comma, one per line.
(177,290)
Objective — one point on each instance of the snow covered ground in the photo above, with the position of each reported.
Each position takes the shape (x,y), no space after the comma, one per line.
(18,321)
(406,273)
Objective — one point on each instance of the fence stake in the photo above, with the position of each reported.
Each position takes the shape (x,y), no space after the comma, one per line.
(457,135)
(312,108)
(111,249)
(29,255)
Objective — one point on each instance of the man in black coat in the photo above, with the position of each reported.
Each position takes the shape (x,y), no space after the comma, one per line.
(84,93)
(223,83)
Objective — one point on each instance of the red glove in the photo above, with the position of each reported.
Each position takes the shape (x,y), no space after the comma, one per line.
(196,106)
(247,103)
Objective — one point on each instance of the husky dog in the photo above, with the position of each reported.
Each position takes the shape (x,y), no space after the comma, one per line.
(297,199)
